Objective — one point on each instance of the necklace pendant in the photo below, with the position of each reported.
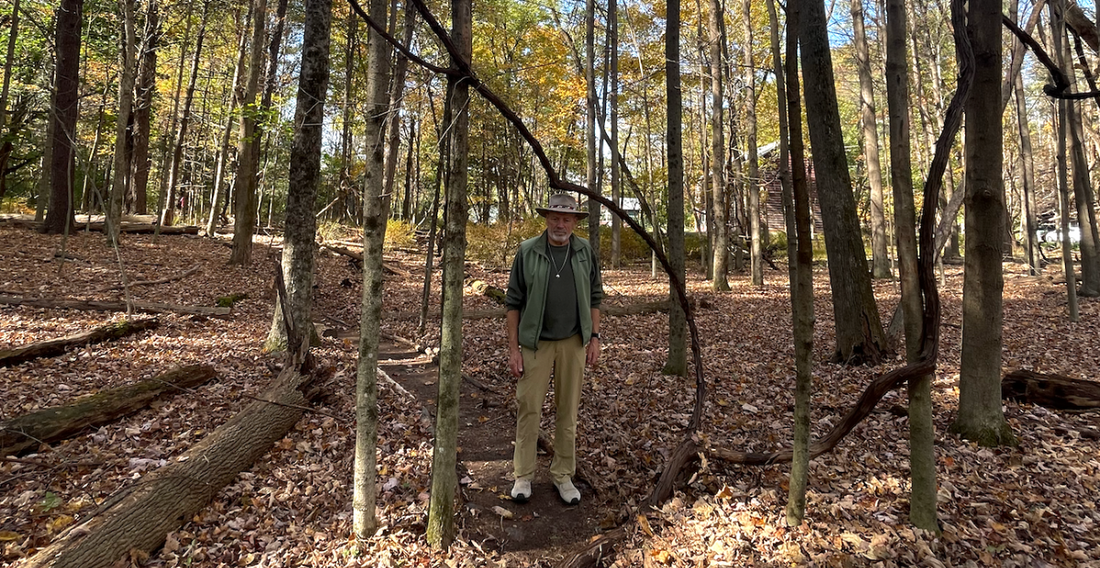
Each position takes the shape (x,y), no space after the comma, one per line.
(557,276)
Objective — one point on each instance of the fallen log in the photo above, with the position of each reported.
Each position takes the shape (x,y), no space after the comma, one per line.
(358,257)
(124,226)
(1057,392)
(488,290)
(54,347)
(96,306)
(28,431)
(141,516)
(179,276)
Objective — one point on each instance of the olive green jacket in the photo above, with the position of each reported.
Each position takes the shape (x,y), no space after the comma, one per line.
(529,280)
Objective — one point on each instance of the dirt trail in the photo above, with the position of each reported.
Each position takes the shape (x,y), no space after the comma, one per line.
(543,529)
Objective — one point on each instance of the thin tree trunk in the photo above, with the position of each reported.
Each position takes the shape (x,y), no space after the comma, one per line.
(364,522)
(1028,165)
(146,90)
(440,531)
(751,159)
(169,213)
(5,147)
(800,256)
(922,454)
(677,319)
(1086,211)
(880,259)
(393,129)
(594,211)
(223,147)
(613,102)
(719,283)
(244,223)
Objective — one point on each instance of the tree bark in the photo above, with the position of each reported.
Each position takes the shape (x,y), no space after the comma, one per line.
(66,97)
(120,185)
(169,213)
(1084,202)
(244,222)
(677,319)
(137,201)
(143,514)
(880,259)
(54,347)
(440,531)
(304,177)
(980,417)
(219,193)
(719,281)
(859,334)
(364,523)
(6,147)
(29,431)
(922,454)
(613,102)
(752,181)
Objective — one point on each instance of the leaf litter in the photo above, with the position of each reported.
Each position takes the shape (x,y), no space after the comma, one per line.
(1034,505)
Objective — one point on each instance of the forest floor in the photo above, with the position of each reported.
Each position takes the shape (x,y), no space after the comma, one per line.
(1034,505)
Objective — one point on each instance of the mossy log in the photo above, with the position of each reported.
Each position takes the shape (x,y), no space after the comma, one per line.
(94,306)
(141,515)
(26,432)
(1058,392)
(54,347)
(488,290)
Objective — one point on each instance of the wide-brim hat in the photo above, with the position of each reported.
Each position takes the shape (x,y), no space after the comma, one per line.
(562,203)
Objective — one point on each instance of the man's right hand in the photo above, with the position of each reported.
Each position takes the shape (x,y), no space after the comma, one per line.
(515,362)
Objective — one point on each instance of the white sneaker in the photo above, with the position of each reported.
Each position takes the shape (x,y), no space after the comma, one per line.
(521,491)
(569,494)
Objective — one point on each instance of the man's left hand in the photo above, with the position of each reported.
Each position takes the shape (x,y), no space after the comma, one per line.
(593,351)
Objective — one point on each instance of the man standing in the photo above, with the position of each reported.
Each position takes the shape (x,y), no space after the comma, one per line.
(553,302)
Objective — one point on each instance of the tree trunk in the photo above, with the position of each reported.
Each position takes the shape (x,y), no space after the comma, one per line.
(613,102)
(5,148)
(143,514)
(444,478)
(169,213)
(121,183)
(54,347)
(800,255)
(244,222)
(1086,210)
(348,208)
(393,129)
(146,91)
(66,98)
(922,454)
(752,182)
(880,259)
(304,177)
(594,210)
(980,416)
(1028,166)
(677,319)
(29,431)
(364,522)
(859,334)
(720,246)
(223,148)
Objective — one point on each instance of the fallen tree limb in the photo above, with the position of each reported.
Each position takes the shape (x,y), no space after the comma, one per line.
(54,347)
(179,276)
(358,257)
(96,306)
(28,431)
(124,227)
(605,310)
(163,500)
(1058,392)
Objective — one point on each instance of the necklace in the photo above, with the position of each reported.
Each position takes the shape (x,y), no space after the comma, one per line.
(553,260)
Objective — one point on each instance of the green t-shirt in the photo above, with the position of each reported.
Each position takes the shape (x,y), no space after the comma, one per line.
(560,319)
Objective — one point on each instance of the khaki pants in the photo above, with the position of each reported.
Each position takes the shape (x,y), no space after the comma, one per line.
(566,359)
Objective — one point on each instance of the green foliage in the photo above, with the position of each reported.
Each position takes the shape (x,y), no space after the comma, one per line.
(400,234)
(494,245)
(228,301)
